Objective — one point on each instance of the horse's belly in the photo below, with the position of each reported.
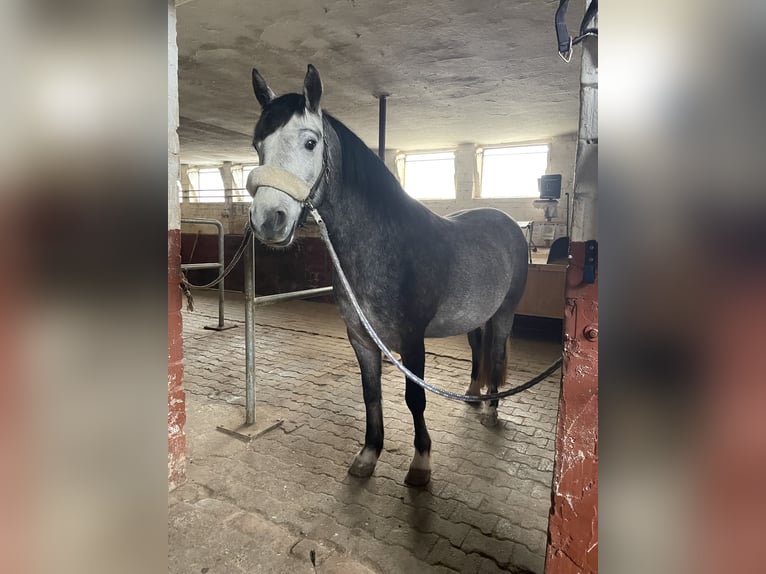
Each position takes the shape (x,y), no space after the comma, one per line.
(457,317)
(447,328)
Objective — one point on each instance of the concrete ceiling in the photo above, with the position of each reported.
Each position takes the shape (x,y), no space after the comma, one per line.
(457,71)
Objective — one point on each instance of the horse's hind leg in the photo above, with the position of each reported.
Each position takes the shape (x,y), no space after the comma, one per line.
(368,356)
(474,389)
(495,350)
(414,358)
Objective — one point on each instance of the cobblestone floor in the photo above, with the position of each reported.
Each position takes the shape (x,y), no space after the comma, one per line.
(262,506)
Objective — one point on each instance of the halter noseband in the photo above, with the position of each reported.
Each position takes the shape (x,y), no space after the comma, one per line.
(292,185)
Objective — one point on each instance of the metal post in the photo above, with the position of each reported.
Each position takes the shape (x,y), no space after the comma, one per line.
(249,257)
(382,127)
(220,284)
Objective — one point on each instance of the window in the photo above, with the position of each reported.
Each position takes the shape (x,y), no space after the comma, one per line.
(210,186)
(242,194)
(512,171)
(430,175)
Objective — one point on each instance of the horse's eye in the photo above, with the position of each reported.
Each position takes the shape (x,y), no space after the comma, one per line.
(310,144)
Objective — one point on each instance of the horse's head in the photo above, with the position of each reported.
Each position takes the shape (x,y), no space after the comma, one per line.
(289,135)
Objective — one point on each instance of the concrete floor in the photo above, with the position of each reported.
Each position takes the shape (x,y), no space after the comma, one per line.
(263,505)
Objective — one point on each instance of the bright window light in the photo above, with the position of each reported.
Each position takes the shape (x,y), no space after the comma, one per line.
(210,186)
(242,194)
(430,175)
(513,171)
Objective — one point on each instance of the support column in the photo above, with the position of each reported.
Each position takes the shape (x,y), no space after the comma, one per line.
(192,177)
(176,394)
(238,182)
(186,186)
(466,178)
(228,186)
(573,525)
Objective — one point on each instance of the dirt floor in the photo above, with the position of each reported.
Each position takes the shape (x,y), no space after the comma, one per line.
(263,505)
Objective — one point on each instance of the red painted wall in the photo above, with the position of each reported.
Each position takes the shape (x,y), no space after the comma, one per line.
(573,525)
(176,395)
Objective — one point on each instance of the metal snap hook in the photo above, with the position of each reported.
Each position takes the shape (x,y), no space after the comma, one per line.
(568,57)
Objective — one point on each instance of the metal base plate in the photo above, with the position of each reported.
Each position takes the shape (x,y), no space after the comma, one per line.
(246,433)
(218,328)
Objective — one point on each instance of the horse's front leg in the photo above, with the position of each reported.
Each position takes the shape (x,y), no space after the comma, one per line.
(368,356)
(414,357)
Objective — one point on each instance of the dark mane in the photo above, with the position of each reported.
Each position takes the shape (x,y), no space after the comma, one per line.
(361,166)
(364,172)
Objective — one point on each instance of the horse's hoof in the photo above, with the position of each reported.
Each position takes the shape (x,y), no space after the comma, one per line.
(489,419)
(361,469)
(417,477)
(470,393)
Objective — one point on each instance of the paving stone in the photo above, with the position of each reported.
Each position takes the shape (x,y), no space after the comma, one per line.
(446,554)
(499,550)
(484,521)
(523,558)
(418,543)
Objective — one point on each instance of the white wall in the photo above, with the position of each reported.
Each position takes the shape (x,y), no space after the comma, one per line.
(173,166)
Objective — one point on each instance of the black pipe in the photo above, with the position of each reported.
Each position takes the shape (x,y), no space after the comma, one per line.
(382,127)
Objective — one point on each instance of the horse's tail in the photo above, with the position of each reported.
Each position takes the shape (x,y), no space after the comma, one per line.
(485,365)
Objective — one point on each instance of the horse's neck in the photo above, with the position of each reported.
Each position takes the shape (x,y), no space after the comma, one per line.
(353,206)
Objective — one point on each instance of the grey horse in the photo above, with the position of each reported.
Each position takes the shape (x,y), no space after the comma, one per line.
(416,274)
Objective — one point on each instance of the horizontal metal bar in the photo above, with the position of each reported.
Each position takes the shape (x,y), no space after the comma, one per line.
(188,266)
(202,221)
(281,297)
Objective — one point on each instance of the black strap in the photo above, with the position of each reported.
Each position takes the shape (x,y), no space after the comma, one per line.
(590,14)
(562,33)
(565,41)
(308,202)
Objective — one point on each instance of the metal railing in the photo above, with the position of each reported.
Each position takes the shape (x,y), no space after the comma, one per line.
(219,266)
(215,195)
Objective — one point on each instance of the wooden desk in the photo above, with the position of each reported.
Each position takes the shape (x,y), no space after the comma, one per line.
(544,294)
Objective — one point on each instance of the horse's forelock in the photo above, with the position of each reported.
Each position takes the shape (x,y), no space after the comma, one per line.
(277,113)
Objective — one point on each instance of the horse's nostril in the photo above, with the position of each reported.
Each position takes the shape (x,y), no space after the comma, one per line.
(280,217)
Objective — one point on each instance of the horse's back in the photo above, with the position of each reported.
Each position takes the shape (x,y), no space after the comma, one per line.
(490,229)
(489,268)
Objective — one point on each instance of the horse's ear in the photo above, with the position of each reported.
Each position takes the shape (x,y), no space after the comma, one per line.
(312,89)
(263,92)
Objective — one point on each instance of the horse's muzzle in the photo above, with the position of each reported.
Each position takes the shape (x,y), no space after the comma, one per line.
(274,229)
